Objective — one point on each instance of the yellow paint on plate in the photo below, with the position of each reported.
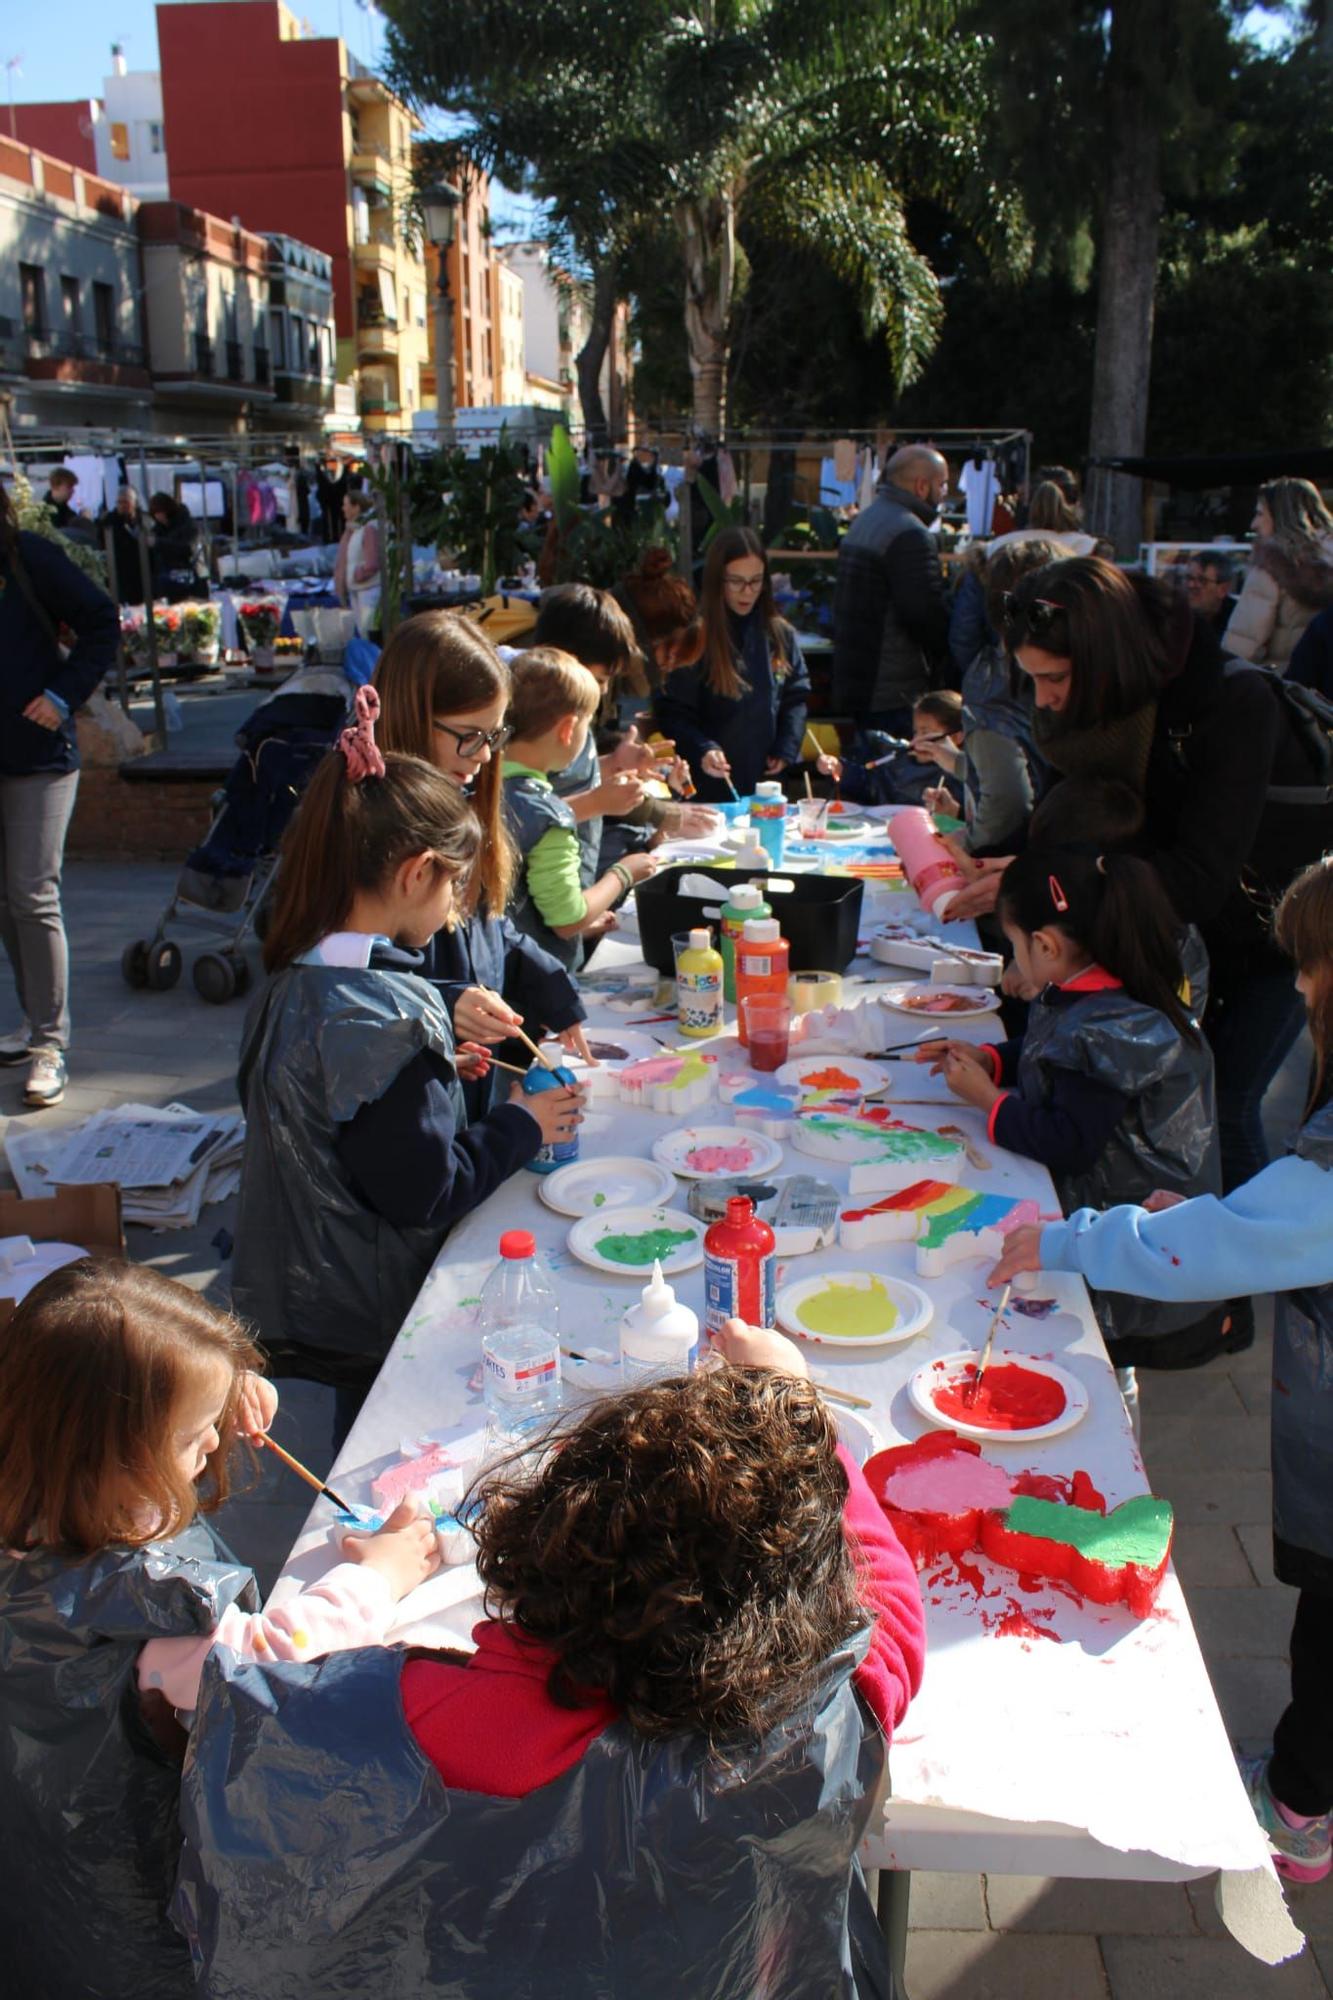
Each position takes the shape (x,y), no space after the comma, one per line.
(853,1312)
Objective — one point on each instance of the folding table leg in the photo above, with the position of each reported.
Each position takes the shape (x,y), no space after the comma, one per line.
(895,1889)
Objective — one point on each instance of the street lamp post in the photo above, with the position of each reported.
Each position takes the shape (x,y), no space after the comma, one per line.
(440,206)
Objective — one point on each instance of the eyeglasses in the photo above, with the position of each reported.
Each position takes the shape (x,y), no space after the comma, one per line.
(1038,614)
(471,742)
(743,582)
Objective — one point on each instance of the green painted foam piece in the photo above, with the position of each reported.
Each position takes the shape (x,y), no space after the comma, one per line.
(1136,1532)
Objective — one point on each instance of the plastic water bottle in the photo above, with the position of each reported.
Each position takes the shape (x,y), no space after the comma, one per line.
(520,1338)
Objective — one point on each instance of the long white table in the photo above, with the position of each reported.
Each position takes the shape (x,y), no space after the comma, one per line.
(1102,1755)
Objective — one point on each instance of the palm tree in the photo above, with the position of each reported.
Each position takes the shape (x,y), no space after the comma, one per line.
(812,118)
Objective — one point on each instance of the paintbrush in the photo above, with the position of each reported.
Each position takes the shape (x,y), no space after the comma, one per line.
(726,779)
(922,1042)
(809,788)
(304,1472)
(526,1040)
(841,1396)
(982,1365)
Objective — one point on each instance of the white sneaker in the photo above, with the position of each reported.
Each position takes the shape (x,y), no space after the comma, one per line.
(17,1047)
(46,1079)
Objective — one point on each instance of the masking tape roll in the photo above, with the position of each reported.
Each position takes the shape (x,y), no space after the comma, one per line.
(810,990)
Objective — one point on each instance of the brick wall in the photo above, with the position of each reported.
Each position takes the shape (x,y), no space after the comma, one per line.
(115,820)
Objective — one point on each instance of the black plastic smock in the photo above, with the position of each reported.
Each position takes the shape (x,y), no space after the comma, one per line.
(89,1794)
(1166,1139)
(325,1858)
(1302,1411)
(325,1280)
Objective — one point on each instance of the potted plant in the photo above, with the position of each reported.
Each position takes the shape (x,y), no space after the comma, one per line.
(259,620)
(167,625)
(201,624)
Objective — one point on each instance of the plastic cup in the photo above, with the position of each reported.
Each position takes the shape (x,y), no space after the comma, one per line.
(680,941)
(767,1019)
(812,815)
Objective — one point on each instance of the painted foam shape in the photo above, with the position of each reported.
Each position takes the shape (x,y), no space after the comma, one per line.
(953,1234)
(1115,1558)
(944,1499)
(955,965)
(898,1218)
(672,1082)
(881,1152)
(759,1102)
(423,1474)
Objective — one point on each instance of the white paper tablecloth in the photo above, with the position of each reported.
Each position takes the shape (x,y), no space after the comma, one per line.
(1101,1755)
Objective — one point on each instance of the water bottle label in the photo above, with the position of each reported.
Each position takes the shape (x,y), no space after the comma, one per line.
(529,1376)
(735,1290)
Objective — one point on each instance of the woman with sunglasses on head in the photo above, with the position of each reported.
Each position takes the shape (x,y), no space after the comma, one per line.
(738,715)
(444,691)
(1128,684)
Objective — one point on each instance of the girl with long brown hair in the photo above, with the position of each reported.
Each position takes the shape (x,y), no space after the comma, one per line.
(358,1155)
(124,1399)
(444,695)
(1274,1234)
(738,714)
(1290,579)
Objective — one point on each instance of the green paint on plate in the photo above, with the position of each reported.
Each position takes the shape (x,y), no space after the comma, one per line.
(643,1249)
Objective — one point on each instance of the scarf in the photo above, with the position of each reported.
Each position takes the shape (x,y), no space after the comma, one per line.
(1105,750)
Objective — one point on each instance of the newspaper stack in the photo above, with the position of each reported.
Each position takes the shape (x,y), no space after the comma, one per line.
(168,1162)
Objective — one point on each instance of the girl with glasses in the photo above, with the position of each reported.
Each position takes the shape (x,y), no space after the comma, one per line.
(444,693)
(738,715)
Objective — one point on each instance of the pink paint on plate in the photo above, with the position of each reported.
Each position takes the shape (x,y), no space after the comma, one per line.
(720,1159)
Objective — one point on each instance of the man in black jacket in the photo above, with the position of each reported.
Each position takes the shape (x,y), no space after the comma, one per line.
(58,496)
(890,610)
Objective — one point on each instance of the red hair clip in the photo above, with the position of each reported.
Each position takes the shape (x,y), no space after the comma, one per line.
(364,757)
(1059,900)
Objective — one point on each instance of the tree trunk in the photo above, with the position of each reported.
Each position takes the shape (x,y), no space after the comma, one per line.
(588,361)
(708,241)
(1127,272)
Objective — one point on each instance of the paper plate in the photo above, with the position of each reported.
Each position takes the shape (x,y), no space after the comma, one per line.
(946,1368)
(864,1077)
(634,1239)
(857,1432)
(912,1310)
(714,1152)
(974,1002)
(588,1187)
(848,826)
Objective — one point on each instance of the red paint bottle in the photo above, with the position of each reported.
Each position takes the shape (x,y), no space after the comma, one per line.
(740,1265)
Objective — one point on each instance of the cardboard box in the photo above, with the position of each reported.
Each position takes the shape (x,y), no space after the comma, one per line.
(88,1216)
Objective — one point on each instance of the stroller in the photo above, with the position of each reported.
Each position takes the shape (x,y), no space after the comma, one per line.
(225,883)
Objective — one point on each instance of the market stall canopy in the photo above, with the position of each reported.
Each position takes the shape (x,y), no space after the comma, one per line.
(1244,468)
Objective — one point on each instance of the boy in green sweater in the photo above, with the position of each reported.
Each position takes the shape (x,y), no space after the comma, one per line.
(551,707)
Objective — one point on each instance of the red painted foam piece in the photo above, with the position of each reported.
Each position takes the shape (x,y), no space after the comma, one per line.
(944,1499)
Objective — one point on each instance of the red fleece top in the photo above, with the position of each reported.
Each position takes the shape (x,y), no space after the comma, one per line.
(489,1725)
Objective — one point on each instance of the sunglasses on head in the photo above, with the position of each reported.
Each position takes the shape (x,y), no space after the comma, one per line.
(471,742)
(1038,614)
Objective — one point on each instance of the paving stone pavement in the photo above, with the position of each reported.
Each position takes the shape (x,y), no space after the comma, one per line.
(1204,1440)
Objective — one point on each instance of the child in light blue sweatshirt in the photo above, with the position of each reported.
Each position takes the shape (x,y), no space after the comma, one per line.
(1273,1234)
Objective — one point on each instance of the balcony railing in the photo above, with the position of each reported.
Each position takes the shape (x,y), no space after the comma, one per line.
(235,361)
(203,354)
(64,345)
(378,403)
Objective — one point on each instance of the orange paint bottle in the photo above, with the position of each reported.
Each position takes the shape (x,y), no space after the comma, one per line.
(763,959)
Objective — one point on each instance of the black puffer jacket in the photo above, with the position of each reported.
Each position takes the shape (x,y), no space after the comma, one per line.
(890,610)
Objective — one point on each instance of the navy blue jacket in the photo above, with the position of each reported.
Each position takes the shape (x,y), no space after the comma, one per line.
(30,661)
(766,720)
(492,951)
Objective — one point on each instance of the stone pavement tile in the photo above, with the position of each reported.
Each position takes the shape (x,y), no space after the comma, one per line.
(963,1965)
(1232,1441)
(1256,1538)
(1203,1901)
(1209,1553)
(1311,1906)
(942,1902)
(1211,1493)
(1204,1969)
(1251,1695)
(1088,1908)
(1188,1392)
(1255,1388)
(1242,1624)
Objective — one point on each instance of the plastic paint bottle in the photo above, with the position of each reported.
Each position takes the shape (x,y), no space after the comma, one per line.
(768,817)
(699,987)
(550,1157)
(754,855)
(740,1264)
(745,901)
(520,1338)
(763,960)
(659,1336)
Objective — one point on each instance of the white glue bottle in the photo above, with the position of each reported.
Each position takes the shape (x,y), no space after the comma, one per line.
(659,1336)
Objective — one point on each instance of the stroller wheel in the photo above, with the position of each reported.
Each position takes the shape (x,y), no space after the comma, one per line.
(134,964)
(215,978)
(163,965)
